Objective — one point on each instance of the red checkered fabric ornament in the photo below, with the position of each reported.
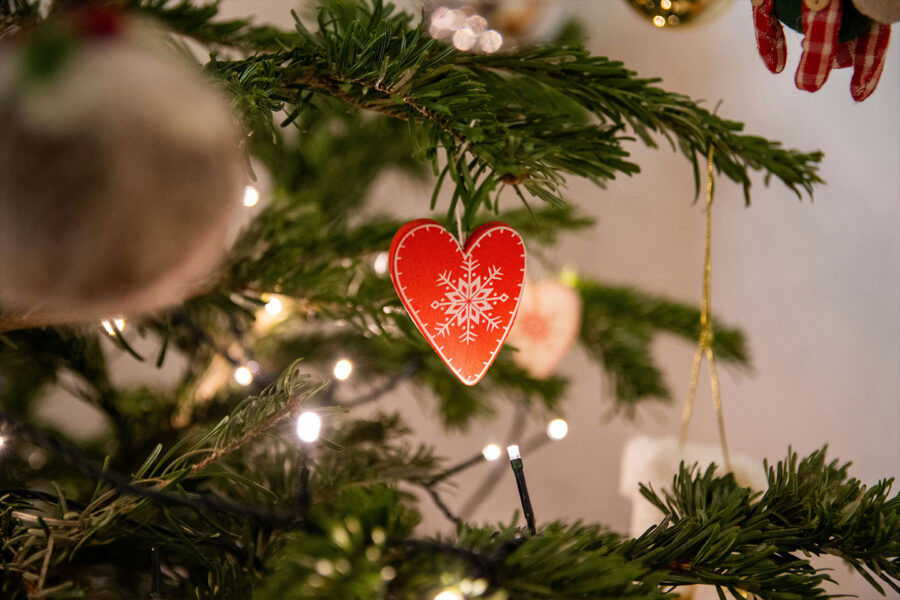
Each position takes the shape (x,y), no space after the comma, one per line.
(769,35)
(820,41)
(843,58)
(868,60)
(822,49)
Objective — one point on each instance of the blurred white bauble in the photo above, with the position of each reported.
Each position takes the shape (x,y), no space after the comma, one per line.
(656,461)
(120,175)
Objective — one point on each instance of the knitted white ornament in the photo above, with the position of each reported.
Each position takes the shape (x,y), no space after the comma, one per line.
(120,176)
(655,461)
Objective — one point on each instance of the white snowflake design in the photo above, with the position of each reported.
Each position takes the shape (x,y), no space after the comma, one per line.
(469,302)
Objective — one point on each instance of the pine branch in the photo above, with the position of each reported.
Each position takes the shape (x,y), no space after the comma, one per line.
(715,532)
(523,120)
(252,418)
(498,117)
(171,487)
(619,325)
(289,409)
(18,13)
(719,533)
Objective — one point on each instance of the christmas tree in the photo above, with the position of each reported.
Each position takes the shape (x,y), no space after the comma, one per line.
(272,462)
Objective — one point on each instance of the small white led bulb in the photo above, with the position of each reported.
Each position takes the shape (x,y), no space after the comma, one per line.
(309,424)
(251,196)
(448,19)
(243,376)
(448,594)
(490,41)
(557,429)
(114,326)
(342,369)
(381,263)
(476,23)
(491,452)
(274,306)
(513,452)
(464,39)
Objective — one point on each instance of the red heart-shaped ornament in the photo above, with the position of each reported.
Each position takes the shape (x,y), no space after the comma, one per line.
(463,301)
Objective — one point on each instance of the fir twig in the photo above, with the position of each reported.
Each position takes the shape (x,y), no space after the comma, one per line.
(497,117)
(290,409)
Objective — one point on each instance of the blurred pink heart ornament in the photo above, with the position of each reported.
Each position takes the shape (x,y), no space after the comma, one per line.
(546,326)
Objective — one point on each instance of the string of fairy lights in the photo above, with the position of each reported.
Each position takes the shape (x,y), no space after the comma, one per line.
(309,425)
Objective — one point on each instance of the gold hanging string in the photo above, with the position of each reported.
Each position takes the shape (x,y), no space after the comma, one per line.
(704,344)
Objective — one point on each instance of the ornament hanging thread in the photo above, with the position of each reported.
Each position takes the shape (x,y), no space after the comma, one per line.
(705,342)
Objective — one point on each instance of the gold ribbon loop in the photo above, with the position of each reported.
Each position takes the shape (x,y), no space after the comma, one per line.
(704,343)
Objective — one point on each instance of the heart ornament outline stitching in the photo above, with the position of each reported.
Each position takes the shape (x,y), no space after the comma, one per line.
(447,290)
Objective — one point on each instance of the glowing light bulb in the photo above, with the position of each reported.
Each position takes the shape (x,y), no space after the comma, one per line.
(381,263)
(490,41)
(476,23)
(464,39)
(439,17)
(114,326)
(449,594)
(251,196)
(557,429)
(659,21)
(309,424)
(2,442)
(325,567)
(342,369)
(491,452)
(665,4)
(243,376)
(273,306)
(513,452)
(448,19)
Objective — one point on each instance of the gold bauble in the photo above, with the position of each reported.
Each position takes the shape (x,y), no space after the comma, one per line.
(676,13)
